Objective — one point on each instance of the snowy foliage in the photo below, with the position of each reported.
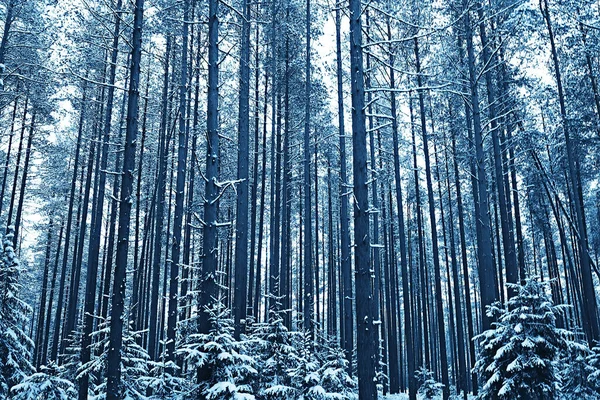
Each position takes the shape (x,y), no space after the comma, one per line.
(232,370)
(279,356)
(335,380)
(593,360)
(518,356)
(134,365)
(577,374)
(305,374)
(161,382)
(44,385)
(15,345)
(429,388)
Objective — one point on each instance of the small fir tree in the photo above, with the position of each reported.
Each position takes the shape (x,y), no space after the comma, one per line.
(429,388)
(593,360)
(15,345)
(278,356)
(161,383)
(576,373)
(518,356)
(44,385)
(232,370)
(305,375)
(134,365)
(336,382)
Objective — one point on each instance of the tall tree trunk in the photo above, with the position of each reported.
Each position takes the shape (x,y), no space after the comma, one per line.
(406,291)
(286,227)
(13,194)
(487,286)
(90,287)
(346,311)
(241,222)
(254,267)
(43,297)
(99,195)
(160,210)
(434,239)
(113,373)
(211,204)
(179,190)
(589,307)
(19,215)
(367,344)
(8,151)
(508,240)
(308,262)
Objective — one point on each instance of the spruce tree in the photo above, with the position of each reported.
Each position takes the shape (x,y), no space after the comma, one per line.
(232,370)
(44,385)
(519,355)
(15,345)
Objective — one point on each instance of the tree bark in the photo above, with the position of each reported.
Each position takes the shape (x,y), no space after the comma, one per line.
(113,374)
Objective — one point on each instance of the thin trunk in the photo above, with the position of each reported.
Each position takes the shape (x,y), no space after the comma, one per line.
(160,210)
(308,261)
(179,190)
(346,312)
(589,306)
(434,239)
(113,374)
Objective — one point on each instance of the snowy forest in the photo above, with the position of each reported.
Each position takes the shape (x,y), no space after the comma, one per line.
(299,199)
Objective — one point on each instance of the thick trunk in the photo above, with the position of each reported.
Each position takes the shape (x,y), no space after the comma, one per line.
(487,286)
(365,292)
(210,242)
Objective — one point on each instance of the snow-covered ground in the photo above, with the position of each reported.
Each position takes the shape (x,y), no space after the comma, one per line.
(405,397)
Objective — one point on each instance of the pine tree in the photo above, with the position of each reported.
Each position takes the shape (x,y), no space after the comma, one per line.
(334,375)
(593,360)
(45,385)
(134,364)
(578,372)
(15,345)
(161,383)
(429,388)
(518,356)
(279,356)
(232,370)
(305,374)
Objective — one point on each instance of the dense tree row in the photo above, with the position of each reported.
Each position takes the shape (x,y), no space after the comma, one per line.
(299,198)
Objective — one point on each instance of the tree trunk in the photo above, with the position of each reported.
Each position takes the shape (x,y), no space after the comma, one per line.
(346,311)
(367,344)
(210,240)
(160,210)
(179,191)
(113,374)
(589,306)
